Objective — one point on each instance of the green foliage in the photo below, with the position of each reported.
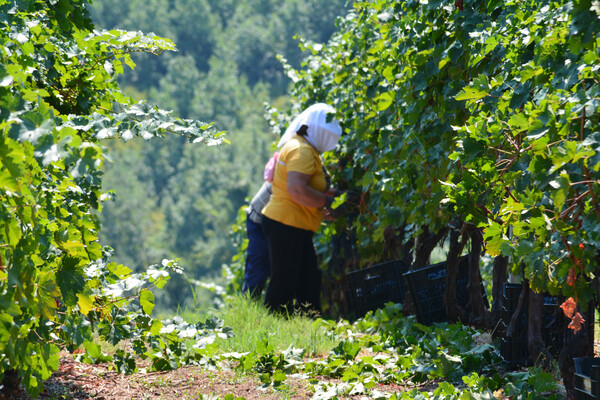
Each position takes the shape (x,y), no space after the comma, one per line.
(371,356)
(239,238)
(59,98)
(485,115)
(166,344)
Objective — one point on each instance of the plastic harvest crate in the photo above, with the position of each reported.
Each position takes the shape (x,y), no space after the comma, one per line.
(514,350)
(427,285)
(587,378)
(370,288)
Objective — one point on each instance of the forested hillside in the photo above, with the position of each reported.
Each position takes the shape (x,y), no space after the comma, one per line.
(180,201)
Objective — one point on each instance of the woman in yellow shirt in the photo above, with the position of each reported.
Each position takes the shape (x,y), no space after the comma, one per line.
(295,210)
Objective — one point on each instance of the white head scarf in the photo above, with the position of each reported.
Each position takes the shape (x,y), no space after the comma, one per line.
(322,135)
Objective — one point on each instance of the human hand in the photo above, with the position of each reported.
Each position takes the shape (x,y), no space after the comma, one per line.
(327,215)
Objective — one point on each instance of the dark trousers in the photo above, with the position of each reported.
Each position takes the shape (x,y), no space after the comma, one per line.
(258,266)
(295,271)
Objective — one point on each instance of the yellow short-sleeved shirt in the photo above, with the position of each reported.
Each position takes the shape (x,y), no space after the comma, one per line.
(296,155)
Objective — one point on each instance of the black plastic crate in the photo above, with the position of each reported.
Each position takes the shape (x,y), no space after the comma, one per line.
(427,285)
(582,395)
(521,319)
(515,351)
(511,293)
(370,288)
(553,325)
(587,378)
(552,317)
(520,332)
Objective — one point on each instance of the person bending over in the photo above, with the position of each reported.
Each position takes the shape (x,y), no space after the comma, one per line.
(295,210)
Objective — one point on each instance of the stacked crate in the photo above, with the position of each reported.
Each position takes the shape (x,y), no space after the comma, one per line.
(514,349)
(370,288)
(587,378)
(427,286)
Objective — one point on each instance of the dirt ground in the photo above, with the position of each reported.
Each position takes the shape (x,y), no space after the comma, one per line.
(75,380)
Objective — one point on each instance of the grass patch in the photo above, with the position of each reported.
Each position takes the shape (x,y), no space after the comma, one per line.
(253,324)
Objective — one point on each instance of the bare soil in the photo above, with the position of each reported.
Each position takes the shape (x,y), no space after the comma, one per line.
(75,380)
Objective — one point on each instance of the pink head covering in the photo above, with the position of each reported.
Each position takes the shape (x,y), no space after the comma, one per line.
(322,135)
